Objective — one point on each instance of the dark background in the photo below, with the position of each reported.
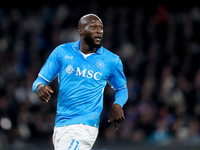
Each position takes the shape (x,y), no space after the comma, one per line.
(158,43)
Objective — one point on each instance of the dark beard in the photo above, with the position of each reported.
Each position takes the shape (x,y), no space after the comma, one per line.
(90,42)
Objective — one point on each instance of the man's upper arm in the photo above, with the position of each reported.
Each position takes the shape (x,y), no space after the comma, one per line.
(52,66)
(117,78)
(49,70)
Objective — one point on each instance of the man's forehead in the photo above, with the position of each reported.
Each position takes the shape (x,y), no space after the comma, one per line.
(95,21)
(89,19)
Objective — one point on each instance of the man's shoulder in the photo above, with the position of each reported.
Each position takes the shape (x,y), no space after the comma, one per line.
(65,48)
(66,45)
(107,53)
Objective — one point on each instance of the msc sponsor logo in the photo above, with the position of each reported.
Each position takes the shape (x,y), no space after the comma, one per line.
(83,73)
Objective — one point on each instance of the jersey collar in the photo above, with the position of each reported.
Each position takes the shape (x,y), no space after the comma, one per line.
(99,50)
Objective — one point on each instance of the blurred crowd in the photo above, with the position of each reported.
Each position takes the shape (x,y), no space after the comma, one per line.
(159,46)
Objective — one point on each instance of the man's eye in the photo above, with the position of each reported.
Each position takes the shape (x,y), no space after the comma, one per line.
(97,27)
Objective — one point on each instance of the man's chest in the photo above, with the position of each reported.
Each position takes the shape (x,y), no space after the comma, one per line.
(92,67)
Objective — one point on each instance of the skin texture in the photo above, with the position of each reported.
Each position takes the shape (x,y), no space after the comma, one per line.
(90,28)
(44,92)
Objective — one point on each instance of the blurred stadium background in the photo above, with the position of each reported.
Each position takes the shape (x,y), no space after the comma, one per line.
(159,44)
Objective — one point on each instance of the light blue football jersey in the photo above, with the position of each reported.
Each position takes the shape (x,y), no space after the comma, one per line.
(82,82)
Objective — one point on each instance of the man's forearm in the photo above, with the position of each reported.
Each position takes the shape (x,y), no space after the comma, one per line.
(37,82)
(121,96)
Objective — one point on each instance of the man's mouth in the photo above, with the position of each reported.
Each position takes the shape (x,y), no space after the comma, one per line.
(98,39)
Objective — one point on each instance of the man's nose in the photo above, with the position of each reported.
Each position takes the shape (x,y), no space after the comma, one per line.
(100,31)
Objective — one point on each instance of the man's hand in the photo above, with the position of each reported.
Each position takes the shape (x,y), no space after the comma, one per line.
(116,115)
(43,92)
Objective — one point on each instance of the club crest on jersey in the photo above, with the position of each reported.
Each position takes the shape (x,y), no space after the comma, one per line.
(83,73)
(100,64)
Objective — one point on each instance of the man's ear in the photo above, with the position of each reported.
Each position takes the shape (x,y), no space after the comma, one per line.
(80,31)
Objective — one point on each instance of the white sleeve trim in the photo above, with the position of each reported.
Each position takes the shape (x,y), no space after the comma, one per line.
(119,88)
(43,78)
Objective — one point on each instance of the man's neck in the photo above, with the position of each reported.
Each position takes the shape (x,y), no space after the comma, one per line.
(85,48)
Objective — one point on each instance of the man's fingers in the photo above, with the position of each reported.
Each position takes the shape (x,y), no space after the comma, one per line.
(117,121)
(120,119)
(116,124)
(48,88)
(110,120)
(44,92)
(44,98)
(123,118)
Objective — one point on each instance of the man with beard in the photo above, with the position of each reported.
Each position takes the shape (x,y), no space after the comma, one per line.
(83,68)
